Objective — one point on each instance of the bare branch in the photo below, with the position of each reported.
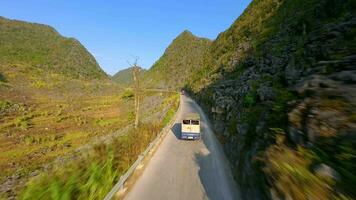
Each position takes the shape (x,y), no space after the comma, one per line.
(135,64)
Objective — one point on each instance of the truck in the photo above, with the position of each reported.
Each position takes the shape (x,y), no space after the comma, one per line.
(191,127)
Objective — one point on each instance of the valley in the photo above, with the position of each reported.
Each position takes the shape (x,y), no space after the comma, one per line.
(275,92)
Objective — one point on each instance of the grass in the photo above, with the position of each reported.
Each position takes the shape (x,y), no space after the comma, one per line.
(23,122)
(78,181)
(54,99)
(291,174)
(93,175)
(39,125)
(46,51)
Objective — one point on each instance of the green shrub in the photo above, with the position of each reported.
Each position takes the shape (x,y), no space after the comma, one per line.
(4,105)
(92,176)
(250,99)
(232,126)
(2,78)
(289,172)
(74,182)
(128,94)
(23,122)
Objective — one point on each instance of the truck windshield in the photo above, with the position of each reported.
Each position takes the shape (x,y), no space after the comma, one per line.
(195,122)
(186,121)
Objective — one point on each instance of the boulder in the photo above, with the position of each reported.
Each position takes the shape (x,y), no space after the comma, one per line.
(265,93)
(326,171)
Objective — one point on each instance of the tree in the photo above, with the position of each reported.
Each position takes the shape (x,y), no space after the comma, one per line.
(136,75)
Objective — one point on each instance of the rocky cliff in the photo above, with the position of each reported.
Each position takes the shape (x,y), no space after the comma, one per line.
(279,85)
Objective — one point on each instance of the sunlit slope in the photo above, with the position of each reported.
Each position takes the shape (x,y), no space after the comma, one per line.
(40,48)
(125,77)
(178,63)
(54,98)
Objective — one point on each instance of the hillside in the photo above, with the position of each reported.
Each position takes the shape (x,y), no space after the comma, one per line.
(182,57)
(54,98)
(38,49)
(279,85)
(54,101)
(124,77)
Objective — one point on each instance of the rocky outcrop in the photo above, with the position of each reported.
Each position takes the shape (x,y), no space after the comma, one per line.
(299,83)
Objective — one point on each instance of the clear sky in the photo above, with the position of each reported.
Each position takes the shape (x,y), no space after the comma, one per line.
(115,31)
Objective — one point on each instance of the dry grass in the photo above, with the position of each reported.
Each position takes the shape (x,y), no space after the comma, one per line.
(40,124)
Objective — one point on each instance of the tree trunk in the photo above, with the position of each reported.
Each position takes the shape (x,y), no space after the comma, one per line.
(136,72)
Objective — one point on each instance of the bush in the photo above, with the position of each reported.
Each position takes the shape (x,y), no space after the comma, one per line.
(23,122)
(4,105)
(92,176)
(250,99)
(128,94)
(2,78)
(289,175)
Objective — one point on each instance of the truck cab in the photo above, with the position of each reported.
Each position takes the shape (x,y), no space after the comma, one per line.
(182,92)
(191,127)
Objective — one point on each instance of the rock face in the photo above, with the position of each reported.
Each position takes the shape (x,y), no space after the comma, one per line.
(297,80)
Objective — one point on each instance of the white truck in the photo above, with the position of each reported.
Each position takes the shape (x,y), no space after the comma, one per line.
(191,127)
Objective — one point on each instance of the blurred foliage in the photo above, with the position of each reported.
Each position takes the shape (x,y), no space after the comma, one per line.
(292,172)
(92,175)
(289,174)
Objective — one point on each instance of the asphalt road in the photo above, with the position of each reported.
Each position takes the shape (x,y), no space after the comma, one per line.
(186,170)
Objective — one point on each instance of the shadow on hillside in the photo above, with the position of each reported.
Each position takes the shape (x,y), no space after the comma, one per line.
(2,78)
(176,129)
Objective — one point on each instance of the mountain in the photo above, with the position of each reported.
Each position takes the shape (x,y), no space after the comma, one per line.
(36,47)
(124,77)
(55,100)
(182,58)
(279,86)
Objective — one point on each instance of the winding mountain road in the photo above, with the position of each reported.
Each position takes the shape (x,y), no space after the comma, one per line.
(186,170)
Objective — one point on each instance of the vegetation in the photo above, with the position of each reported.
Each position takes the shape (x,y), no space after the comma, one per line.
(93,175)
(49,116)
(179,62)
(292,176)
(254,53)
(54,100)
(124,77)
(39,48)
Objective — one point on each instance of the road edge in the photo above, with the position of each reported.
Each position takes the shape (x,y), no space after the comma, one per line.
(121,188)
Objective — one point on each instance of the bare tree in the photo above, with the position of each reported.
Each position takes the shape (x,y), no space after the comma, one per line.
(136,75)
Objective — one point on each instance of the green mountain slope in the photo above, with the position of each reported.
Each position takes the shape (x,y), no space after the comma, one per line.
(55,99)
(183,56)
(124,77)
(35,47)
(279,85)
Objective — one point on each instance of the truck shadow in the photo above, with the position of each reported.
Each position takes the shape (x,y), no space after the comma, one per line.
(206,175)
(176,129)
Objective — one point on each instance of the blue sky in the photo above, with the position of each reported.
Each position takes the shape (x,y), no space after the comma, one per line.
(115,31)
